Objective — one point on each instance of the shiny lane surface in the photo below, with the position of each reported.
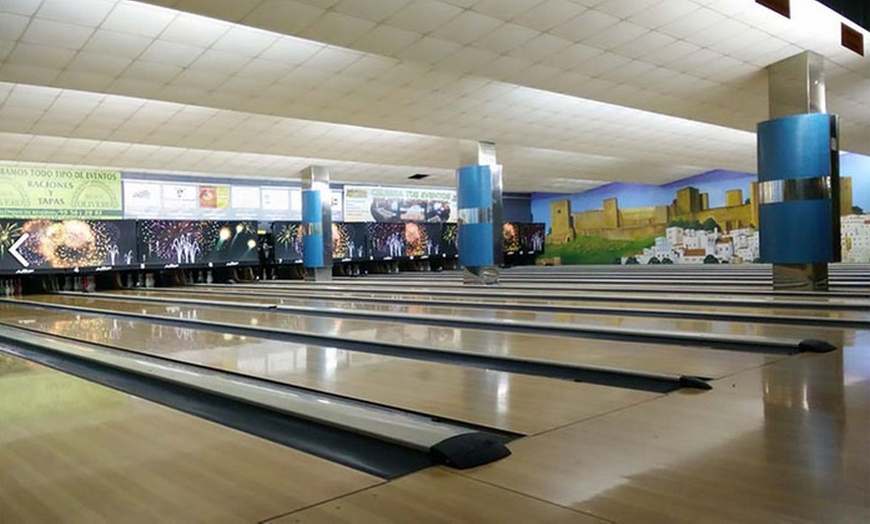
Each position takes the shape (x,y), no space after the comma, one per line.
(562,292)
(436,495)
(733,329)
(444,306)
(786,442)
(506,401)
(73,451)
(659,358)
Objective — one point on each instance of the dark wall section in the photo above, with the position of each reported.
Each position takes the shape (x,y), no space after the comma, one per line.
(857,11)
(517,207)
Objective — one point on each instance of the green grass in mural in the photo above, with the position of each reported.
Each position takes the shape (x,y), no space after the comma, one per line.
(596,250)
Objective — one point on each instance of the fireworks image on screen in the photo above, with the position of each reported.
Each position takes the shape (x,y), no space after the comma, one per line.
(288,238)
(387,239)
(532,237)
(342,242)
(511,236)
(450,237)
(9,231)
(196,242)
(418,241)
(175,241)
(71,243)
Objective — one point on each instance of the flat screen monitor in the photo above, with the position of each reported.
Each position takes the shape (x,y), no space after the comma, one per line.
(532,237)
(197,243)
(43,245)
(423,240)
(450,240)
(349,242)
(387,240)
(288,242)
(510,237)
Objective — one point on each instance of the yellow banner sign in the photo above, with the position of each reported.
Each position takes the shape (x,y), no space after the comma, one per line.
(37,192)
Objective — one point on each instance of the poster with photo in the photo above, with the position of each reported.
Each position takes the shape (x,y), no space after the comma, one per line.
(397,204)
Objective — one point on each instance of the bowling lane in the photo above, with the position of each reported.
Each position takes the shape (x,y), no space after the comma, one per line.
(696,330)
(655,358)
(688,296)
(442,306)
(782,443)
(459,499)
(74,451)
(505,401)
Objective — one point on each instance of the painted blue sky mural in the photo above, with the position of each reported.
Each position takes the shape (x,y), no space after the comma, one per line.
(714,183)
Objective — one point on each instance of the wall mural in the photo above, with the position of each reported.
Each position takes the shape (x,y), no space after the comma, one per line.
(709,218)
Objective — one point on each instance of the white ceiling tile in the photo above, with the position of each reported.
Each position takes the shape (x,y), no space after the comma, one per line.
(194,30)
(584,25)
(505,38)
(220,62)
(290,50)
(40,56)
(199,78)
(615,36)
(503,9)
(112,43)
(5,48)
(424,16)
(56,34)
(337,28)
(81,12)
(151,71)
(12,26)
(693,22)
(332,59)
(27,74)
(626,8)
(172,53)
(283,16)
(138,19)
(428,50)
(19,7)
(386,40)
(367,10)
(466,27)
(263,71)
(548,14)
(232,10)
(541,47)
(245,41)
(98,64)
(662,13)
(84,80)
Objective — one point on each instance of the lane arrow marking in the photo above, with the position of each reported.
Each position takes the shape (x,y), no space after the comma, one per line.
(13,250)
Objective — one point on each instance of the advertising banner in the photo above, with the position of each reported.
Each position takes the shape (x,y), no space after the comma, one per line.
(36,192)
(399,204)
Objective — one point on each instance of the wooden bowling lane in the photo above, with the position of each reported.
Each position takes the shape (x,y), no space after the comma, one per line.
(529,309)
(655,358)
(786,442)
(73,451)
(435,495)
(695,331)
(692,296)
(505,401)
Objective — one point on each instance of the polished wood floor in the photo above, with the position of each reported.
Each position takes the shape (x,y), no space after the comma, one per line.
(778,439)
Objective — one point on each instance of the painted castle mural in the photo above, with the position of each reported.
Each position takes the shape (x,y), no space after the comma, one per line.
(709,218)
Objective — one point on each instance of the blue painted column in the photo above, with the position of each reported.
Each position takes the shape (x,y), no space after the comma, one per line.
(796,212)
(479,190)
(316,224)
(798,176)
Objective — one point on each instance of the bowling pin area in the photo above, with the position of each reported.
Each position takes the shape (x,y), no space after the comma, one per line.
(562,394)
